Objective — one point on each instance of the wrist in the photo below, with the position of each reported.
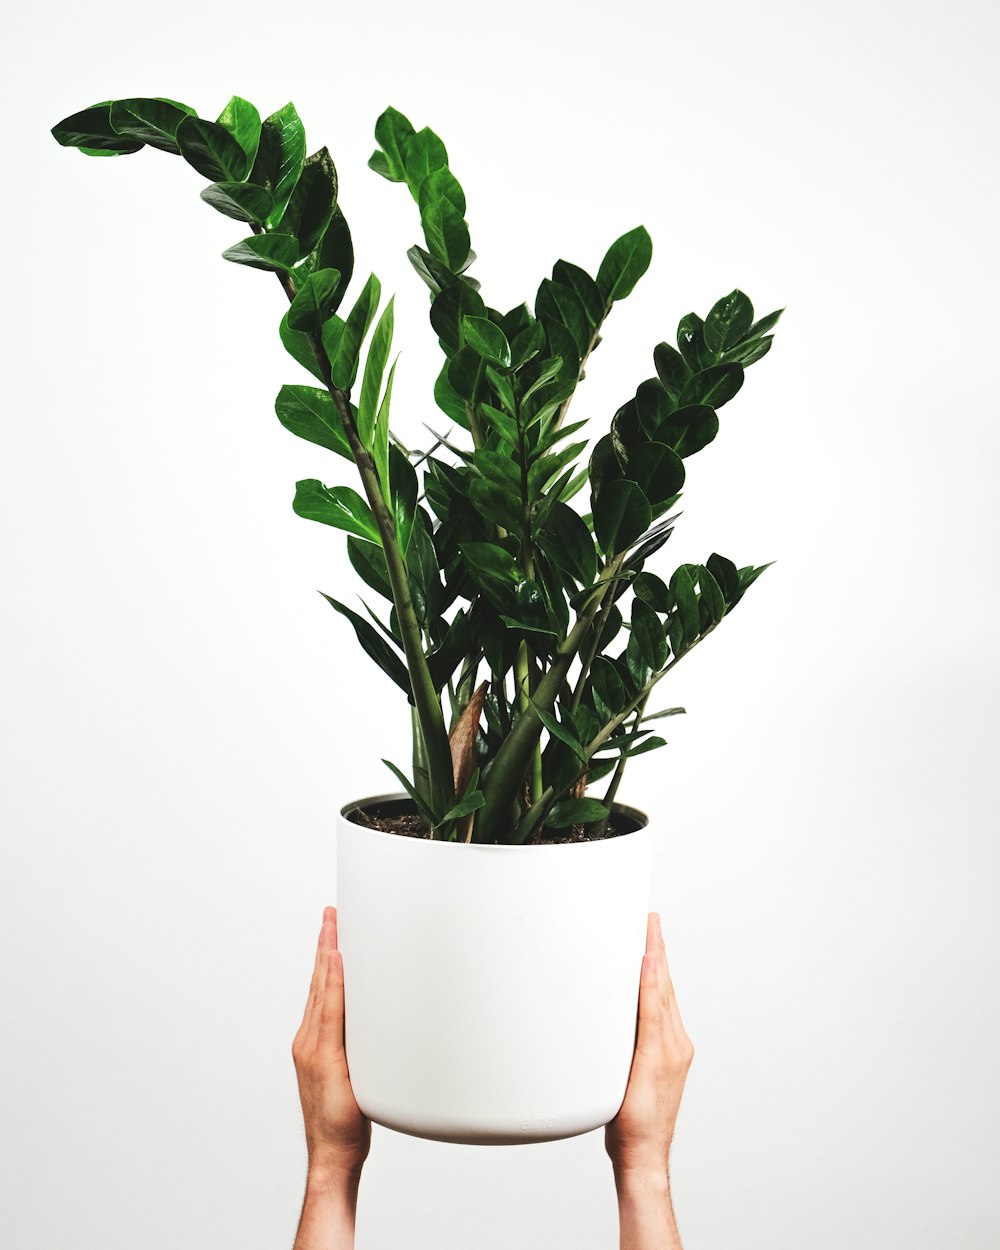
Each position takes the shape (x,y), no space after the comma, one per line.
(333,1172)
(648,1179)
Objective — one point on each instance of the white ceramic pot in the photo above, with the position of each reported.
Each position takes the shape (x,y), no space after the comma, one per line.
(491,991)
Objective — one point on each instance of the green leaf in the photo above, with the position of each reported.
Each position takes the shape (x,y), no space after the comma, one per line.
(335,251)
(604,464)
(569,544)
(380,448)
(448,308)
(211,150)
(688,429)
(313,303)
(486,340)
(748,353)
(422,153)
(586,288)
(576,812)
(403,490)
(368,561)
(280,158)
(300,347)
(91,131)
(313,202)
(626,261)
(606,680)
(648,636)
(666,711)
(713,386)
(343,340)
(445,230)
(434,272)
(472,802)
(621,514)
(671,367)
(688,617)
(711,596)
(650,744)
(240,200)
(273,252)
(414,794)
(749,575)
(496,504)
(392,130)
(726,575)
(242,121)
(562,732)
(310,413)
(728,322)
(371,383)
(691,339)
(555,302)
(494,569)
(339,506)
(150,121)
(658,471)
(765,324)
(441,185)
(374,645)
(652,590)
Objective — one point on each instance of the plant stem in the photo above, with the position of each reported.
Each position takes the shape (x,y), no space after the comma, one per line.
(425,698)
(616,779)
(502,783)
(561,415)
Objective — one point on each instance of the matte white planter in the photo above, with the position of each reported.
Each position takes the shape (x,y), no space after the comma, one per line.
(490,991)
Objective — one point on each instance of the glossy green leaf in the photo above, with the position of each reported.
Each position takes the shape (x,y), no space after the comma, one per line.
(621,514)
(688,429)
(371,383)
(562,732)
(433,272)
(90,130)
(726,575)
(374,644)
(446,233)
(691,340)
(428,815)
(392,131)
(380,441)
(368,561)
(240,200)
(211,150)
(243,122)
(343,339)
(311,414)
(713,386)
(569,544)
(576,812)
(750,352)
(555,302)
(150,121)
(648,636)
(314,302)
(472,802)
(273,252)
(650,744)
(423,153)
(657,470)
(300,347)
(606,680)
(280,158)
(728,322)
(604,464)
(686,598)
(339,506)
(627,259)
(403,490)
(652,590)
(486,340)
(666,711)
(335,251)
(449,307)
(441,184)
(313,202)
(586,289)
(671,367)
(711,596)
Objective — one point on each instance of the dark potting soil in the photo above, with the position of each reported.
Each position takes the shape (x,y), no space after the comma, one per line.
(398,816)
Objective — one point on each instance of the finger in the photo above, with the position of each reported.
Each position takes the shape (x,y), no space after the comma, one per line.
(332,1002)
(318,974)
(651,1005)
(667,984)
(652,930)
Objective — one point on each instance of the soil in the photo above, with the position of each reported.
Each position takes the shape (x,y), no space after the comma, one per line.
(398,816)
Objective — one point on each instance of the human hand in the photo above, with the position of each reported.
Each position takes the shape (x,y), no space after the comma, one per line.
(338,1134)
(638,1138)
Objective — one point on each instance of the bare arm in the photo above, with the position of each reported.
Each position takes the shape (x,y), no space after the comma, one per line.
(638,1138)
(338,1135)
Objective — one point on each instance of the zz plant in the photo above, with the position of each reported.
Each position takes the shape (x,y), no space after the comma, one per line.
(527,636)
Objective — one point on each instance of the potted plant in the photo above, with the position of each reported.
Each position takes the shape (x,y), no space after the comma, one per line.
(493,914)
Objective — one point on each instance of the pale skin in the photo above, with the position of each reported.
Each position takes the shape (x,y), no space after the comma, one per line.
(338,1134)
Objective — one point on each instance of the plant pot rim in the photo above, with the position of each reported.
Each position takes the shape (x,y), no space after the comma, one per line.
(632,813)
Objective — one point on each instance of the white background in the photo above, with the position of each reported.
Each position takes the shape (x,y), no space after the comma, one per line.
(184,715)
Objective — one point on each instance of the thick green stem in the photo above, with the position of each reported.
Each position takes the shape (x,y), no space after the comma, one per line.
(503,781)
(616,779)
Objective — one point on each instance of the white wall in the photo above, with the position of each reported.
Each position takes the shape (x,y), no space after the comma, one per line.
(184,714)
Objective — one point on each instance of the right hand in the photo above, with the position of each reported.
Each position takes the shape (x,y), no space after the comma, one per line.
(638,1138)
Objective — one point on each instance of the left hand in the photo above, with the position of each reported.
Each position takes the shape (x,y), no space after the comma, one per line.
(338,1134)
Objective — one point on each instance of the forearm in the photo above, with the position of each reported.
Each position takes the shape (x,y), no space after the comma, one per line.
(645,1211)
(328,1213)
